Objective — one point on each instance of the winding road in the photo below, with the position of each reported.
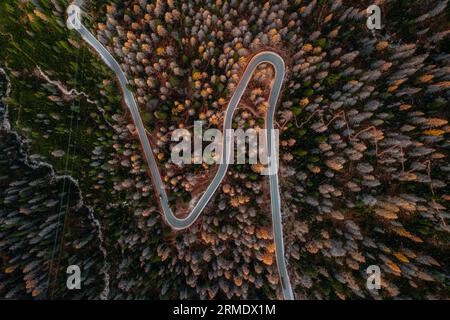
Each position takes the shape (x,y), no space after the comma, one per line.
(74,22)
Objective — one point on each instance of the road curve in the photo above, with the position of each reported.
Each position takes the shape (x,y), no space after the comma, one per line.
(74,22)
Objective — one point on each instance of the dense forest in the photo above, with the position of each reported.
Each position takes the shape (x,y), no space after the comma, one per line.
(364,165)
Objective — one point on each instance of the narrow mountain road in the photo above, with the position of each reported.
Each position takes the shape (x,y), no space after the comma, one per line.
(74,22)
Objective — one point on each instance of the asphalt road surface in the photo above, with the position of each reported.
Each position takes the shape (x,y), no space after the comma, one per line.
(182,223)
